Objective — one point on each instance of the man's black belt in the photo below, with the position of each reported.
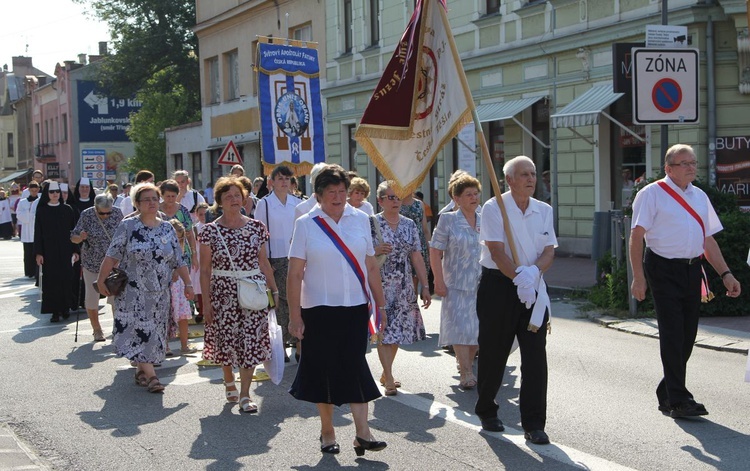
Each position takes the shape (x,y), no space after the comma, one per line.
(681,261)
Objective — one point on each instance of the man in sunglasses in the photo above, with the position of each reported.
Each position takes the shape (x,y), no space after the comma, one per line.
(678,223)
(94,232)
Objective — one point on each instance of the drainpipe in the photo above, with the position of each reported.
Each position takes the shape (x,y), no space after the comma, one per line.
(711,92)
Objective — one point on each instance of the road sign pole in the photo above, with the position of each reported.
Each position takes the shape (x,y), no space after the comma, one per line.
(664,127)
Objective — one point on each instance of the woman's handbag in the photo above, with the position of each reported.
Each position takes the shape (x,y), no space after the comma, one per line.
(275,366)
(251,294)
(115,282)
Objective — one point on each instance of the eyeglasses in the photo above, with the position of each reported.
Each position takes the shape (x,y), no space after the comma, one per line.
(102,213)
(391,197)
(54,191)
(686,164)
(149,200)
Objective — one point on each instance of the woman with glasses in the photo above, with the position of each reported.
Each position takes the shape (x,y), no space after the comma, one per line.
(146,248)
(94,232)
(55,253)
(402,246)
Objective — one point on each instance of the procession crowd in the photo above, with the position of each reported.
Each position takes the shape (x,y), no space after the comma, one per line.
(337,275)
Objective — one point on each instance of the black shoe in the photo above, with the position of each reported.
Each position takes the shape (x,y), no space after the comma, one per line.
(493,424)
(286,358)
(332,449)
(665,408)
(198,319)
(537,437)
(65,315)
(55,317)
(363,445)
(688,409)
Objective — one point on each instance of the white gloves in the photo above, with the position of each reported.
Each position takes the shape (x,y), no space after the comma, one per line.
(528,277)
(527,296)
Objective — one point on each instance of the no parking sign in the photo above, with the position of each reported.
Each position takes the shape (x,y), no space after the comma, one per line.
(665,86)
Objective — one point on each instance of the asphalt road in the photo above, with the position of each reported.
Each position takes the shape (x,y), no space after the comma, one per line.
(76,407)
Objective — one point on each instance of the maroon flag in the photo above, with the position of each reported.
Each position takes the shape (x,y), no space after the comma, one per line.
(420,103)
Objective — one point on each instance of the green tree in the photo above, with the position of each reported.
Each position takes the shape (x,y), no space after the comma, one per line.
(161,109)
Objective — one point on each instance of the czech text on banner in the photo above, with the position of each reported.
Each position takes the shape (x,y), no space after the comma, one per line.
(421,102)
(291,115)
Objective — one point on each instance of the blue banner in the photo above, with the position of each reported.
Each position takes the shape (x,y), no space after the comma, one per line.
(291,114)
(102,118)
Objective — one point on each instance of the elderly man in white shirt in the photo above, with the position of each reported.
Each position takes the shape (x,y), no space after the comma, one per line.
(310,203)
(276,211)
(678,223)
(512,299)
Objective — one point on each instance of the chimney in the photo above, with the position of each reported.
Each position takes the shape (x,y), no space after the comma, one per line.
(20,62)
(69,65)
(102,48)
(5,67)
(82,59)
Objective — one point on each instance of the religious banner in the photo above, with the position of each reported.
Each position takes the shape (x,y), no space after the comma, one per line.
(291,115)
(421,102)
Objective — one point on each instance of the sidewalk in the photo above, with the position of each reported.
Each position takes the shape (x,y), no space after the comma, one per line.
(727,334)
(14,454)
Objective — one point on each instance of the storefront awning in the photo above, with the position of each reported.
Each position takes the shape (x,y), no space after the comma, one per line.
(503,110)
(19,174)
(586,109)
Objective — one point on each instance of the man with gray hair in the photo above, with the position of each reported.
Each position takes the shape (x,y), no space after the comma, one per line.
(512,300)
(307,205)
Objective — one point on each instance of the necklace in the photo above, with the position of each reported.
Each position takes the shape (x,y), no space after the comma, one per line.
(391,223)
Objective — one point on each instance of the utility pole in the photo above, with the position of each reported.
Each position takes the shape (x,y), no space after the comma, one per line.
(664,128)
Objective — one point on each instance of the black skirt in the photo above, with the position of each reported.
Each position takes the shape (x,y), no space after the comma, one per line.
(333,368)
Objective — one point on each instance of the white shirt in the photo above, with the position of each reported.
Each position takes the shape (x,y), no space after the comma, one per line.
(366,208)
(127,206)
(26,215)
(305,206)
(671,231)
(281,226)
(118,201)
(329,279)
(536,221)
(190,200)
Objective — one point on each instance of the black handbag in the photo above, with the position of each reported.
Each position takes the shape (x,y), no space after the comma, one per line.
(115,282)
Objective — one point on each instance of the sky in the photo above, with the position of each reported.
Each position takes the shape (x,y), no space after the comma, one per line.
(55,31)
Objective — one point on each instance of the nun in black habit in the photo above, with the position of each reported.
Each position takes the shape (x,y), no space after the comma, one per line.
(54,251)
(80,199)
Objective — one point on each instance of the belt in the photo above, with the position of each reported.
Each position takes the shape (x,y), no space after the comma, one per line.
(235,273)
(681,261)
(493,272)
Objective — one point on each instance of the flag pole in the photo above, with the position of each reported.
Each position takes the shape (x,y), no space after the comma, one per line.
(495,184)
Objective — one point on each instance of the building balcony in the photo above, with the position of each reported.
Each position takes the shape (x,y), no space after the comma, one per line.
(44,150)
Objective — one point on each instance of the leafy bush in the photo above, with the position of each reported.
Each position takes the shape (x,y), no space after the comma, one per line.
(611,291)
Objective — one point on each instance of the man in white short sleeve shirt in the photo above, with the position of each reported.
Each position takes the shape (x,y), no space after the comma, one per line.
(512,296)
(677,240)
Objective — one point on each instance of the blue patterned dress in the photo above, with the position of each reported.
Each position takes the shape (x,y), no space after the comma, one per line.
(405,325)
(149,255)
(459,324)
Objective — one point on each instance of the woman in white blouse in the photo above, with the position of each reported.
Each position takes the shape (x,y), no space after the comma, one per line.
(328,309)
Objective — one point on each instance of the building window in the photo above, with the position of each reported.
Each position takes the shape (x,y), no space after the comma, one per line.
(64,136)
(38,133)
(350,130)
(177,161)
(493,7)
(302,33)
(197,170)
(212,80)
(231,61)
(217,171)
(56,130)
(348,26)
(46,131)
(374,22)
(496,137)
(11,148)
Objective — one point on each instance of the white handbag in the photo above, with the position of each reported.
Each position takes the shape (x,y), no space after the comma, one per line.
(251,294)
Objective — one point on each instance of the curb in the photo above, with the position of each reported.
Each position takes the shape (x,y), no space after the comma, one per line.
(18,455)
(648,328)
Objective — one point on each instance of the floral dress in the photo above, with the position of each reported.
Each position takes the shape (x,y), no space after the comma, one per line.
(459,324)
(405,325)
(415,212)
(149,255)
(237,336)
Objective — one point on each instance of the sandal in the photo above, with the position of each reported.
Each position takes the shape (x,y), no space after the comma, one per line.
(154,386)
(233,395)
(247,405)
(189,350)
(99,336)
(140,378)
(395,383)
(391,390)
